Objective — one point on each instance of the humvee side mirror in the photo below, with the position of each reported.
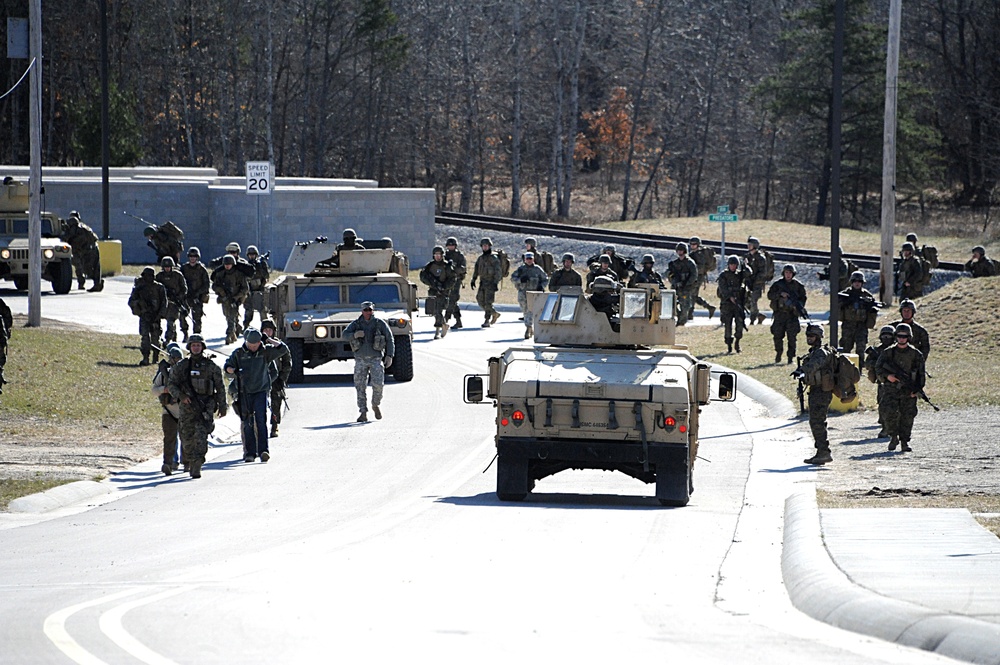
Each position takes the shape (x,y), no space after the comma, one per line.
(473,389)
(727,386)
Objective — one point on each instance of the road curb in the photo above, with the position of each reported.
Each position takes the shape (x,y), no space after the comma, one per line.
(820,589)
(60,496)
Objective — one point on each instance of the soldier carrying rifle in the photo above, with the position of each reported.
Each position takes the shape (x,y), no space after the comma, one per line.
(901,368)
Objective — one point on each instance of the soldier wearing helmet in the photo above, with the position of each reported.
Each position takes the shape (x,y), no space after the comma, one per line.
(167,239)
(565,276)
(196,382)
(198,288)
(979,265)
(787,296)
(439,275)
(281,369)
(148,301)
(170,411)
(176,286)
(646,275)
(909,273)
(374,349)
(605,298)
(489,271)
(528,277)
(886,338)
(683,275)
(732,292)
(761,270)
(457,258)
(919,339)
(351,241)
(858,311)
(231,288)
(86,252)
(620,265)
(255,301)
(704,258)
(847,267)
(901,368)
(816,370)
(6,322)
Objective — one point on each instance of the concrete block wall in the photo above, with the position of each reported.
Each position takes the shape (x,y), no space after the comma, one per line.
(213,210)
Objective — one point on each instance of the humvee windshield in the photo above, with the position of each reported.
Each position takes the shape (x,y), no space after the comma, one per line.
(314,295)
(18,226)
(376,292)
(317,294)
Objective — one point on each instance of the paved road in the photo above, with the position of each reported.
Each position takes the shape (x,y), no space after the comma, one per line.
(380,541)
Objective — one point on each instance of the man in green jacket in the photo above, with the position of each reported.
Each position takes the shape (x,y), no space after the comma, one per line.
(249,367)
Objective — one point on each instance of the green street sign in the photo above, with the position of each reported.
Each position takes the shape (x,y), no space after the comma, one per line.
(722,210)
(723,218)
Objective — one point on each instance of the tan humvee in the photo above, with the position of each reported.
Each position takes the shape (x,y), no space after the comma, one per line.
(57,255)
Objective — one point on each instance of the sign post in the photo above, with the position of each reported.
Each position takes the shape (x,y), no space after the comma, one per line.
(723,216)
(259,183)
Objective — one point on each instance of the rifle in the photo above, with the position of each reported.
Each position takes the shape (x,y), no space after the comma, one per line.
(144,221)
(207,414)
(799,308)
(801,389)
(906,384)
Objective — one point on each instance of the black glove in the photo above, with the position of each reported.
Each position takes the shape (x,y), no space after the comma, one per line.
(798,374)
(472,284)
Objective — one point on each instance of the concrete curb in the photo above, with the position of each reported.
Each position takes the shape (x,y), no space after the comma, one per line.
(60,496)
(818,588)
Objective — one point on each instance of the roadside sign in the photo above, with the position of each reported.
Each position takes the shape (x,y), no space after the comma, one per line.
(259,178)
(723,218)
(722,210)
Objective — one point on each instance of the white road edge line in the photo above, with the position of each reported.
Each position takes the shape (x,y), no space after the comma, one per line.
(111,625)
(54,628)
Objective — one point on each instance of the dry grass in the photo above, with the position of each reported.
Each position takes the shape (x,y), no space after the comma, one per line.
(985,507)
(14,489)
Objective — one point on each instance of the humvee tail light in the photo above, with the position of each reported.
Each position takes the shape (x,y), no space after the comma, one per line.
(683,428)
(296,325)
(517,417)
(669,423)
(321,332)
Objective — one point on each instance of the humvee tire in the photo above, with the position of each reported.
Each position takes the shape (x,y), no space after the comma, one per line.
(62,277)
(673,489)
(512,479)
(296,349)
(21,282)
(402,362)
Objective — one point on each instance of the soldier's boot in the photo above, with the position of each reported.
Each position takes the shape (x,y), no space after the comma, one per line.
(729,346)
(196,469)
(904,447)
(711,311)
(167,469)
(264,456)
(444,329)
(778,350)
(98,286)
(185,336)
(486,322)
(881,434)
(494,316)
(822,456)
(791,358)
(145,361)
(156,357)
(760,319)
(377,411)
(458,321)
(274,429)
(238,329)
(79,283)
(893,442)
(738,345)
(437,332)
(528,332)
(363,418)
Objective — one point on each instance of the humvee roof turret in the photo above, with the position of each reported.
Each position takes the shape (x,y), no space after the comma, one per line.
(599,391)
(57,255)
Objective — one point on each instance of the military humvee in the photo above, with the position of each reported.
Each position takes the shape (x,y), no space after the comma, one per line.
(311,310)
(599,392)
(57,256)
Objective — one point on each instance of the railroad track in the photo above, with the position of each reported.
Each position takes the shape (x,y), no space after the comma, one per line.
(600,236)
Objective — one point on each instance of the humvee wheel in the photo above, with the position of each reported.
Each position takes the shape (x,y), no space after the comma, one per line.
(62,277)
(402,362)
(296,349)
(673,489)
(513,483)
(21,282)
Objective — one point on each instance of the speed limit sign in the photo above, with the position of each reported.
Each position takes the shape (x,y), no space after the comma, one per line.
(259,178)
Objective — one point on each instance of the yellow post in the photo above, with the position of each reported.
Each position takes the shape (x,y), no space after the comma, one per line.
(838,404)
(111,257)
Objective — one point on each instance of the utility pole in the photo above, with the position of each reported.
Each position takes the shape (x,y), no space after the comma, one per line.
(887,287)
(105,127)
(835,140)
(35,170)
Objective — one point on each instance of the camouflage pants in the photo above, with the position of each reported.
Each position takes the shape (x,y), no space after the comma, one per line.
(785,324)
(753,296)
(254,303)
(277,400)
(819,406)
(170,330)
(149,331)
(197,311)
(522,301)
(365,368)
(453,297)
(854,337)
(88,265)
(3,361)
(731,316)
(685,305)
(194,431)
(441,305)
(231,310)
(485,295)
(702,279)
(899,412)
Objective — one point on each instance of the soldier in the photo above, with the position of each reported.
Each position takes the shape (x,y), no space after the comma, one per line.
(374,347)
(619,264)
(817,372)
(858,311)
(166,240)
(528,277)
(788,300)
(887,337)
(196,382)
(732,292)
(250,368)
(919,339)
(979,265)
(231,288)
(198,287)
(86,252)
(175,284)
(543,259)
(901,367)
(605,299)
(148,301)
(281,369)
(683,275)
(6,329)
(704,258)
(847,268)
(233,249)
(171,408)
(350,241)
(761,271)
(440,277)
(457,259)
(602,268)
(565,276)
(909,274)
(489,273)
(647,275)
(255,299)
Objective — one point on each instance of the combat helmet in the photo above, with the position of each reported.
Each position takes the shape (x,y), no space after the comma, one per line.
(979,249)
(813,329)
(602,283)
(886,331)
(350,234)
(646,258)
(194,251)
(907,247)
(733,260)
(267,323)
(904,329)
(530,241)
(437,249)
(252,249)
(485,241)
(604,259)
(148,231)
(911,237)
(233,247)
(148,274)
(228,260)
(73,214)
(529,255)
(610,248)
(681,247)
(788,267)
(195,337)
(906,302)
(568,256)
(451,240)
(167,262)
(753,242)
(858,276)
(694,240)
(252,336)
(174,350)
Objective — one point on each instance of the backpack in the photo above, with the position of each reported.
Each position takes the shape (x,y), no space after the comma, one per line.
(768,265)
(504,263)
(172,230)
(546,262)
(713,261)
(930,255)
(845,377)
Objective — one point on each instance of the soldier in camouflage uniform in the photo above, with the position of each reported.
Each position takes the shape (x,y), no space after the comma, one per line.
(489,273)
(231,287)
(646,275)
(457,259)
(255,298)
(601,268)
(817,372)
(909,274)
(683,275)
(756,261)
(732,292)
(980,265)
(919,339)
(847,268)
(171,409)
(196,382)
(86,252)
(858,311)
(565,276)
(148,301)
(439,275)
(281,369)
(198,287)
(901,367)
(166,240)
(704,258)
(620,265)
(6,326)
(175,284)
(374,347)
(528,277)
(788,300)
(887,337)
